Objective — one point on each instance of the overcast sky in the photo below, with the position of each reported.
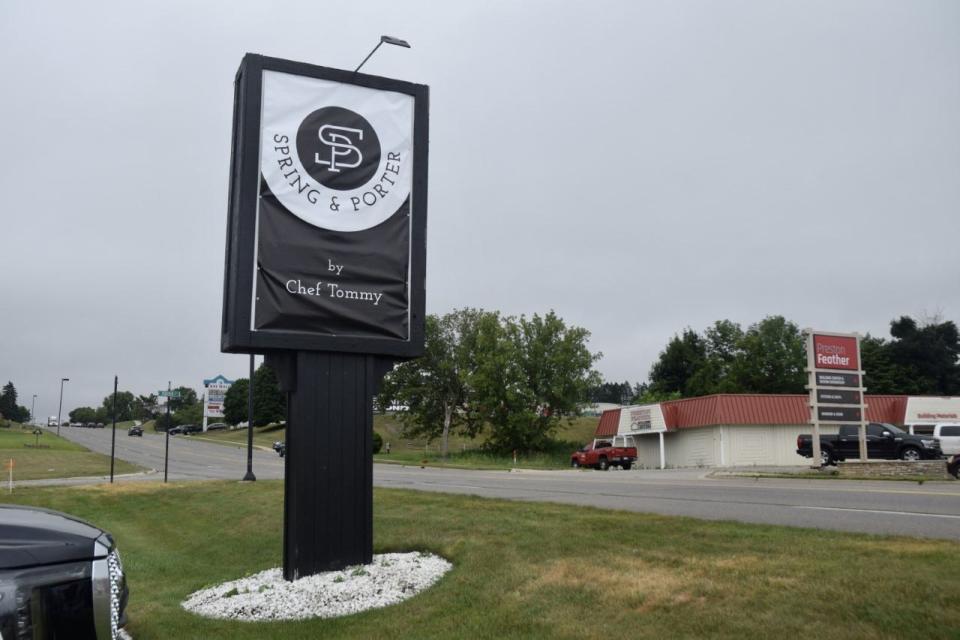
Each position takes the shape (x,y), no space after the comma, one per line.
(639,167)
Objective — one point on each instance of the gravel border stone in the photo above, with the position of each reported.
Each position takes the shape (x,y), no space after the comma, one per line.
(390,579)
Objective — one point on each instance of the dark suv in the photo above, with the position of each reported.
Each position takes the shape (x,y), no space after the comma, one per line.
(60,577)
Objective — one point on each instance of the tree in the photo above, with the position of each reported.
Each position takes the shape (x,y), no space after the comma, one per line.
(677,364)
(615,392)
(921,358)
(187,398)
(772,358)
(435,389)
(125,407)
(235,402)
(269,403)
(9,408)
(534,373)
(145,407)
(722,346)
(881,373)
(82,415)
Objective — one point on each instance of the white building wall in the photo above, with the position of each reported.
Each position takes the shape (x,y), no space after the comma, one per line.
(729,446)
(692,447)
(648,451)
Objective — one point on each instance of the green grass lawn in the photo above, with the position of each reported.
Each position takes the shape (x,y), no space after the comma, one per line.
(527,570)
(464,452)
(55,457)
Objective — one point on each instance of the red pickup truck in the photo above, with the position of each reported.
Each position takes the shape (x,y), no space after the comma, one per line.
(602,454)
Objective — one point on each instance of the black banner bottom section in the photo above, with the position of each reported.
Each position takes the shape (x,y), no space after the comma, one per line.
(318,281)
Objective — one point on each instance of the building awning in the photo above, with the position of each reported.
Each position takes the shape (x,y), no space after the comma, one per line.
(609,423)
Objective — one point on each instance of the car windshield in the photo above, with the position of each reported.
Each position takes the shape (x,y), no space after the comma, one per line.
(893,429)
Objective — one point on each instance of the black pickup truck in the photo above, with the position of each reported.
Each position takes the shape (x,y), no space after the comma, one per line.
(884,442)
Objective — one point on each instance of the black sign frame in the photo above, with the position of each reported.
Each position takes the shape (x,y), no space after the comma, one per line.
(236,333)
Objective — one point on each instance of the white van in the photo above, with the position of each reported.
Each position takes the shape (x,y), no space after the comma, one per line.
(949,435)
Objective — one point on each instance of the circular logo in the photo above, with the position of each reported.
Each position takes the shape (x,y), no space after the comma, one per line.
(338,147)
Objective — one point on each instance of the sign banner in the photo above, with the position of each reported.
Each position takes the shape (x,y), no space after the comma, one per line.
(835,352)
(839,396)
(839,414)
(640,419)
(825,379)
(326,249)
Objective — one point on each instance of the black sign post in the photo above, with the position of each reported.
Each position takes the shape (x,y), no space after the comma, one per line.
(325,276)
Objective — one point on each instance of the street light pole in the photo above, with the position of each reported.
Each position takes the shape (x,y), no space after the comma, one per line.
(33,404)
(166,449)
(249,477)
(60,407)
(113,436)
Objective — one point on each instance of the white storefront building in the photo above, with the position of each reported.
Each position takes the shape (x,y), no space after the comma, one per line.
(736,430)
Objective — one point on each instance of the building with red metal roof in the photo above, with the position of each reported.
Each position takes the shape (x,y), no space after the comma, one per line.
(747,429)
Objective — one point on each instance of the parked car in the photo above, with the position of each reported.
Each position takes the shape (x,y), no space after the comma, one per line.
(948,433)
(884,442)
(175,431)
(189,429)
(60,577)
(217,426)
(135,431)
(280,447)
(603,454)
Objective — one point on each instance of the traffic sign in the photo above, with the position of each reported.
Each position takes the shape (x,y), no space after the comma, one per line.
(175,394)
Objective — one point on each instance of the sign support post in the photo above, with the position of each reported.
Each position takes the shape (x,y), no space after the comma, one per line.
(328,478)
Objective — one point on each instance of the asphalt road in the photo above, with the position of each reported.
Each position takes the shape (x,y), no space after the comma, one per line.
(928,510)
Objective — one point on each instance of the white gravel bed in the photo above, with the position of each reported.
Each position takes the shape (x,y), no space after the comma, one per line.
(391,578)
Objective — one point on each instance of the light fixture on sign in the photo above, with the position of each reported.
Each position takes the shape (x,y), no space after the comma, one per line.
(389,40)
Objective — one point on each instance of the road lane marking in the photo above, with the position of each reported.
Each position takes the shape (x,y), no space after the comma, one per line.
(890,513)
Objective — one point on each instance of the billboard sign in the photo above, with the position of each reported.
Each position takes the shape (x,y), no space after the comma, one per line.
(214,391)
(835,382)
(326,243)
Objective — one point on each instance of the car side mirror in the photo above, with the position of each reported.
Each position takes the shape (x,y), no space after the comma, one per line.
(887,434)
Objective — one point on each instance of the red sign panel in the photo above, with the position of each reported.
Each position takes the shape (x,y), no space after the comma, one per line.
(835,352)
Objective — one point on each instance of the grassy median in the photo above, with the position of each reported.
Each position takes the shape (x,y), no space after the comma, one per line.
(50,456)
(465,453)
(526,570)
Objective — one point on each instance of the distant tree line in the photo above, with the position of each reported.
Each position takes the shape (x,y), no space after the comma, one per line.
(919,358)
(514,380)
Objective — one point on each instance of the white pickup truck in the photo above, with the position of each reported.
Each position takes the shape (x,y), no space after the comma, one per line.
(948,433)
